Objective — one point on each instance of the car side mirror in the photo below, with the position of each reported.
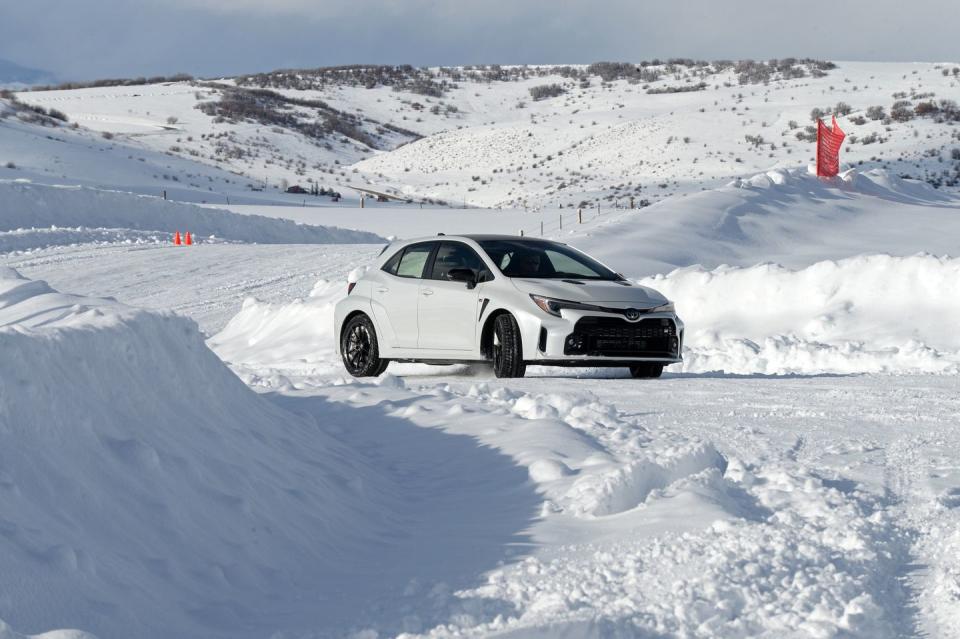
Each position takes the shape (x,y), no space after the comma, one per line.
(466,275)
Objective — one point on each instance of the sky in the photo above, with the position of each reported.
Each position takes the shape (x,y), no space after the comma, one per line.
(87,39)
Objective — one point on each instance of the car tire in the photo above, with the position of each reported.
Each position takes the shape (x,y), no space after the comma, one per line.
(507,347)
(359,348)
(646,370)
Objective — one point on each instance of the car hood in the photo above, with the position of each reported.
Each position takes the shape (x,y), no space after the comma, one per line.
(592,291)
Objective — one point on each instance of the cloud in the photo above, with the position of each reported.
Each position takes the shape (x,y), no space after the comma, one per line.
(98,38)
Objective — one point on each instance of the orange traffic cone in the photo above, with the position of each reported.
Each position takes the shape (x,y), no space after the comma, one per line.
(176,238)
(189,240)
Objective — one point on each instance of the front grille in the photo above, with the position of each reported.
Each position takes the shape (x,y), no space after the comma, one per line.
(616,337)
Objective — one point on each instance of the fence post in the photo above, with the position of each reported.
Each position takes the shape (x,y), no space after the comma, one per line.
(541,228)
(561,221)
(521,232)
(579,216)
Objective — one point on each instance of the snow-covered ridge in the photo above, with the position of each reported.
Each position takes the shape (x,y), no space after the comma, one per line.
(7,633)
(27,206)
(146,491)
(866,314)
(786,216)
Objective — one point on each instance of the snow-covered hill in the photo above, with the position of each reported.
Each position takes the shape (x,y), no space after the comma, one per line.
(599,134)
(789,217)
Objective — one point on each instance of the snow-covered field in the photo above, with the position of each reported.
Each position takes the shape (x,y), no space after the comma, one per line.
(181,455)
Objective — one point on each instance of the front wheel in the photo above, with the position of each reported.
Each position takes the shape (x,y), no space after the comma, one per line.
(359,348)
(507,348)
(646,370)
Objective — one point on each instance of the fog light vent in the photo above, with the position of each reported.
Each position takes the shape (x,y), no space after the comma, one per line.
(575,343)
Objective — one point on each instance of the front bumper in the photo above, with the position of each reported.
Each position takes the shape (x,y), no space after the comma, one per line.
(602,338)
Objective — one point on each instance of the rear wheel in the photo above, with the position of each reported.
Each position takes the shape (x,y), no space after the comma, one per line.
(507,347)
(359,348)
(646,370)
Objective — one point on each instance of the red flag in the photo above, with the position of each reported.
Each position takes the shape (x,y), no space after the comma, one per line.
(829,140)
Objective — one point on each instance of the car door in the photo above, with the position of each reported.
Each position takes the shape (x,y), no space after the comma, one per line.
(396,294)
(448,310)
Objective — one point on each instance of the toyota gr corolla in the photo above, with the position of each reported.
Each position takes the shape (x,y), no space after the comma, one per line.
(512,301)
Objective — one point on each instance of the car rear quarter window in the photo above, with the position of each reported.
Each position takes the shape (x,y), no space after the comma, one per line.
(391,264)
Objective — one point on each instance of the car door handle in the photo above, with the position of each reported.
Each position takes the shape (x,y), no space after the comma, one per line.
(427,291)
(383,290)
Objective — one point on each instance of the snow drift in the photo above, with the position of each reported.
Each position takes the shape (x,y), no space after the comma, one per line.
(784,216)
(145,491)
(866,314)
(30,206)
(297,337)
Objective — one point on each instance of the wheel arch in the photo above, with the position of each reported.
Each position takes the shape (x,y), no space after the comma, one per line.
(350,316)
(486,333)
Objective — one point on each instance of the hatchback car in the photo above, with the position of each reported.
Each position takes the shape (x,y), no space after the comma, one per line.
(509,300)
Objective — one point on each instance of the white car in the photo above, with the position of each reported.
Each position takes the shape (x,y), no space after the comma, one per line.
(514,301)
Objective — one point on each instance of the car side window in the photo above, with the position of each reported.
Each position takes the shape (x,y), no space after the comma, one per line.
(414,260)
(453,255)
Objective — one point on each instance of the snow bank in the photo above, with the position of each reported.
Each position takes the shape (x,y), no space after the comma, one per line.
(31,206)
(297,337)
(873,313)
(28,240)
(785,216)
(145,491)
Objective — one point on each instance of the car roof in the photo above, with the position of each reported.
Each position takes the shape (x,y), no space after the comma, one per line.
(481,237)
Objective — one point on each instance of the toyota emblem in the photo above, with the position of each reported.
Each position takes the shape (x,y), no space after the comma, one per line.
(632,314)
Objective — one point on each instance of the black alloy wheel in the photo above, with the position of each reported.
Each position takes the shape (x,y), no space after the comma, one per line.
(359,348)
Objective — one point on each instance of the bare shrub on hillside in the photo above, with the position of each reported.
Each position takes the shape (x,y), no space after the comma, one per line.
(273,109)
(809,134)
(687,88)
(901,111)
(544,91)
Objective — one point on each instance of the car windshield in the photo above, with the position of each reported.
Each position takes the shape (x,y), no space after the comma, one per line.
(542,259)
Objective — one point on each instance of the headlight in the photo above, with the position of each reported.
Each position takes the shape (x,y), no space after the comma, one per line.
(553,307)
